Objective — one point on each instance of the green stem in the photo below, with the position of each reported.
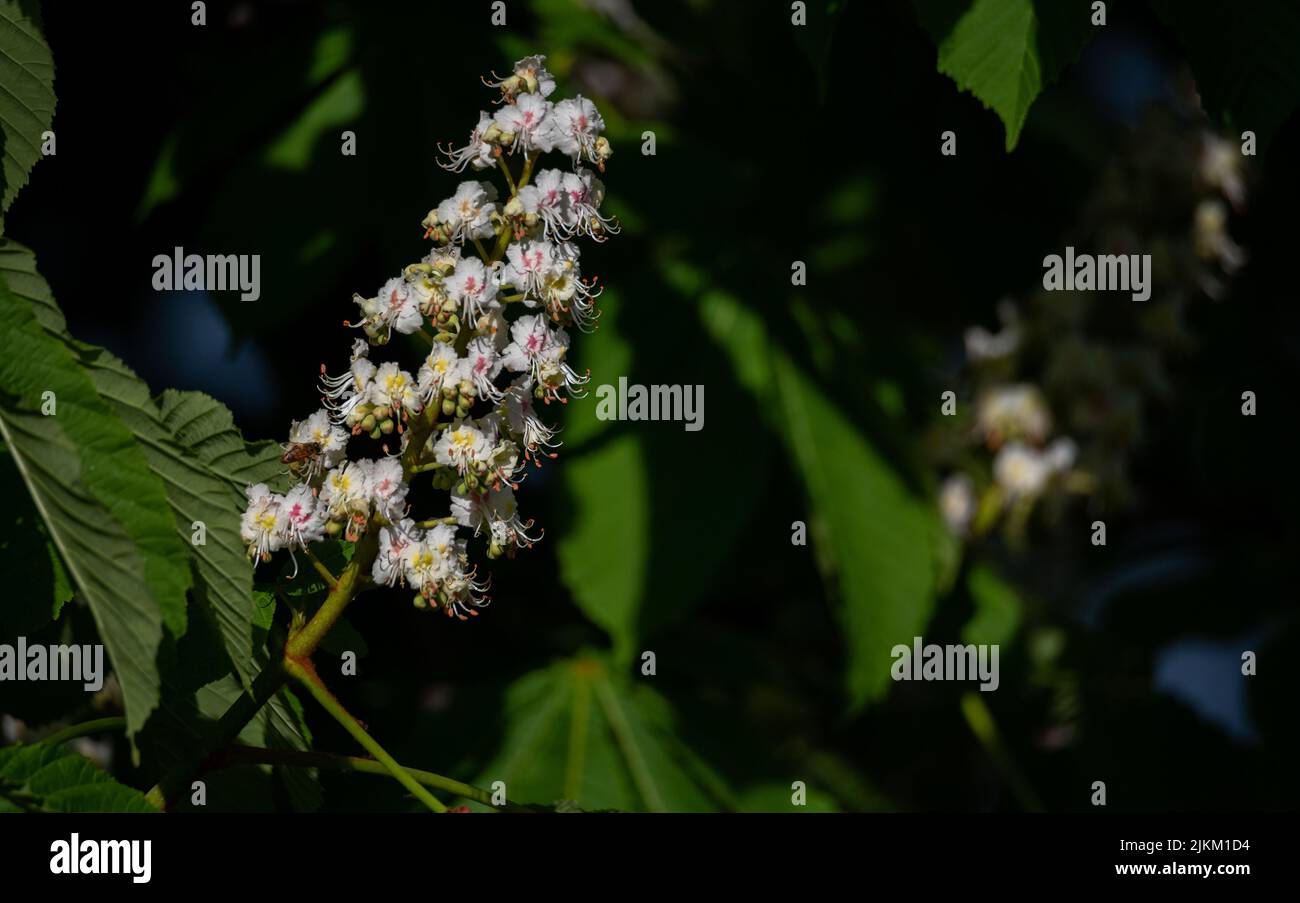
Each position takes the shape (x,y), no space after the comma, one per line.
(503,239)
(982,725)
(305,674)
(304,642)
(528,170)
(575,761)
(330,579)
(510,180)
(73,731)
(426,524)
(240,755)
(623,737)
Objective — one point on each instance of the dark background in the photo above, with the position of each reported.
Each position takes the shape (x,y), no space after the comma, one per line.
(772,146)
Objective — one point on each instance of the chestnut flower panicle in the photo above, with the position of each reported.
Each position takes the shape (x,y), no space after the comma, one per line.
(463,417)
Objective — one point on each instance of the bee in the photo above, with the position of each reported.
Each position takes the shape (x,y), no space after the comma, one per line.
(301,451)
(305,459)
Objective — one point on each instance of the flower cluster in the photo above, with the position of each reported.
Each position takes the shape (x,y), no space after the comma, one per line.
(1062,385)
(465,416)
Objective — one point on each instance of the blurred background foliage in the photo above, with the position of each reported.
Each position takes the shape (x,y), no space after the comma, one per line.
(774,144)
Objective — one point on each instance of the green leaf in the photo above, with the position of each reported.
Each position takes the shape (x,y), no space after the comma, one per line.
(105,510)
(879,535)
(620,482)
(190,442)
(206,428)
(44,778)
(603,551)
(1006,51)
(577,732)
(27,101)
(875,539)
(39,589)
(997,608)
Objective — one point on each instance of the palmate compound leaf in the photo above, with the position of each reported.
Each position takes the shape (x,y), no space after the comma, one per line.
(105,510)
(206,464)
(190,441)
(45,778)
(876,540)
(579,733)
(27,101)
(634,564)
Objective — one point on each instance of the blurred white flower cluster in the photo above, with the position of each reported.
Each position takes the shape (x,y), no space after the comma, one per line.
(1064,384)
(465,416)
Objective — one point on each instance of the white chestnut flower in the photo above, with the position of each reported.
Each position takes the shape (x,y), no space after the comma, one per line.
(523,422)
(464,447)
(480,366)
(1012,412)
(1220,167)
(258,523)
(585,194)
(1021,471)
(957,503)
(495,513)
(529,75)
(394,541)
(548,201)
(345,492)
(1024,472)
(473,286)
(388,488)
(526,122)
(465,215)
(528,263)
(439,369)
(478,152)
(395,389)
(1211,239)
(573,128)
(318,438)
(300,519)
